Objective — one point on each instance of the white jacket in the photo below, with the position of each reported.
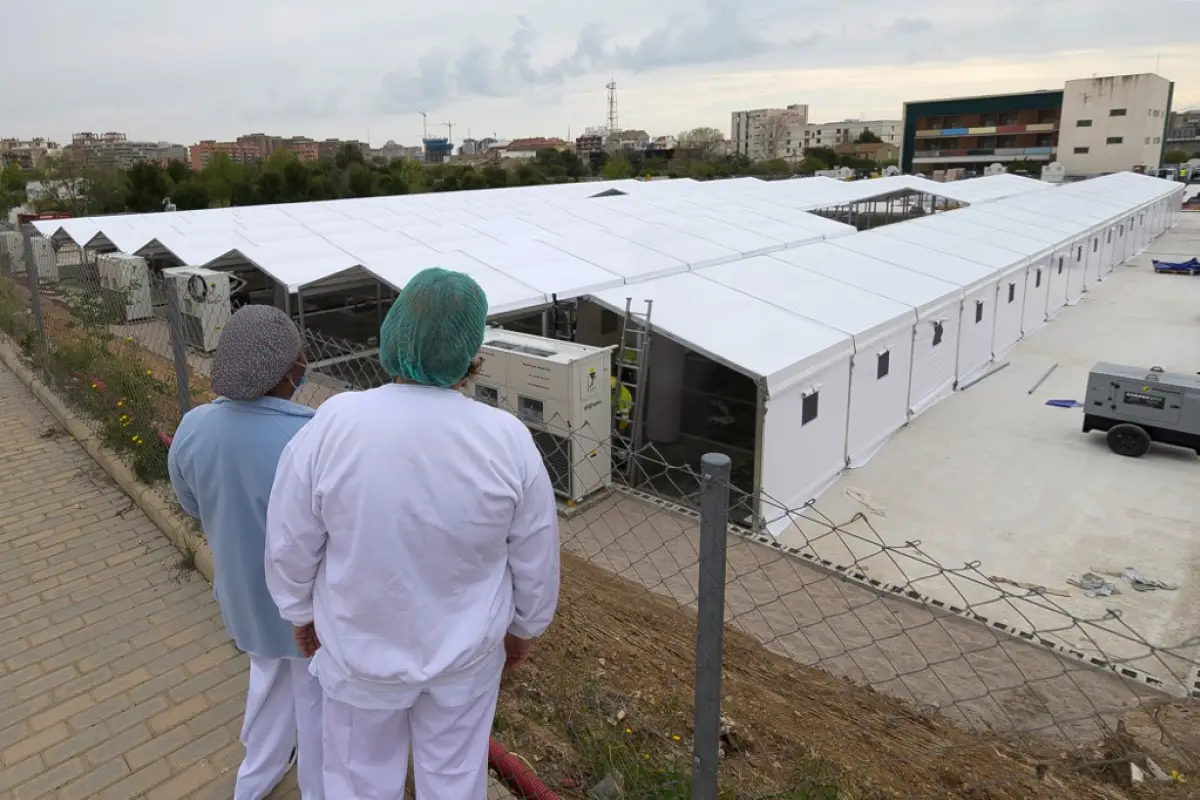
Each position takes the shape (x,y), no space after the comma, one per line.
(415,527)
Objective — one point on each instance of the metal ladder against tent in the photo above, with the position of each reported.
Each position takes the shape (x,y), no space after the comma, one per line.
(632,365)
(563,316)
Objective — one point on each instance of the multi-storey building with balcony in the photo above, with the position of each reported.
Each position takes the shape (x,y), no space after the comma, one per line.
(974,132)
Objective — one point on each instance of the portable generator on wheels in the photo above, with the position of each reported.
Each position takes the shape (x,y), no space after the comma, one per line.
(1137,406)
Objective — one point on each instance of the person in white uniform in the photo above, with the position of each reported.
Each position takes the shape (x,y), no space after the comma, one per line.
(222,464)
(412,536)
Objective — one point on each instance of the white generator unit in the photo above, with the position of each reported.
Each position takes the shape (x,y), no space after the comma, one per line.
(46,259)
(561,391)
(13,247)
(125,283)
(204,304)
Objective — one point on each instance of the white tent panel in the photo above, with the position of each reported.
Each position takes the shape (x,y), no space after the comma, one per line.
(753,337)
(806,368)
(299,262)
(976,323)
(1022,295)
(1008,302)
(989,187)
(692,250)
(505,294)
(196,248)
(535,264)
(360,245)
(744,242)
(938,305)
(629,260)
(507,229)
(882,331)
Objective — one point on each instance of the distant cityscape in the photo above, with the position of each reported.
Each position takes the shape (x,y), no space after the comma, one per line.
(1092,125)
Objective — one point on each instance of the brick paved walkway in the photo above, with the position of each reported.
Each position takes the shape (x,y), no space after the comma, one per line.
(116,677)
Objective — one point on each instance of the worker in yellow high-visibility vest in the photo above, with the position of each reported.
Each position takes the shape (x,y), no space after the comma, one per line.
(622,403)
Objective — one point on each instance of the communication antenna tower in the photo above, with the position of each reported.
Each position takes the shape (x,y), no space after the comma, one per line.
(613,127)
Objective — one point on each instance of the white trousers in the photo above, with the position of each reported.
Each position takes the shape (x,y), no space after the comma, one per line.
(283,711)
(366,752)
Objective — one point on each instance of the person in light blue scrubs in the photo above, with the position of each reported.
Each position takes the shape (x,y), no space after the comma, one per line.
(222,465)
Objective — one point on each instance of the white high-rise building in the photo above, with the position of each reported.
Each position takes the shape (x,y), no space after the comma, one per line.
(1114,123)
(763,133)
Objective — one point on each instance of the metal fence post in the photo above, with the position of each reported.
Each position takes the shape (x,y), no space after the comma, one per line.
(31,278)
(178,348)
(710,627)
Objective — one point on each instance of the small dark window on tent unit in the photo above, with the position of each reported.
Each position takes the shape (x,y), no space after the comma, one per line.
(1120,230)
(808,411)
(1037,279)
(938,331)
(978,311)
(1095,244)
(1060,262)
(1012,292)
(1079,252)
(1109,239)
(883,364)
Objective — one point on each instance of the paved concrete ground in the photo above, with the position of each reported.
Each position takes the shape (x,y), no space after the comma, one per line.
(994,475)
(116,677)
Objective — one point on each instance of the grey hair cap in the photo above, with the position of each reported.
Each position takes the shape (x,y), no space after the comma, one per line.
(257,348)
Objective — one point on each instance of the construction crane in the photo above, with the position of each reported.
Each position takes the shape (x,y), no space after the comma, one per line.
(449,131)
(424,124)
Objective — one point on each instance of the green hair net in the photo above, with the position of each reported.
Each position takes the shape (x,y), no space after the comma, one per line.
(434,329)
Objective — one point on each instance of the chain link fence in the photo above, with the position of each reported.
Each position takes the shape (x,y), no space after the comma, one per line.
(694,656)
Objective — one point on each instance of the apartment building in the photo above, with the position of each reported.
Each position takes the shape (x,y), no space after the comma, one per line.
(255,148)
(1091,126)
(1114,123)
(762,134)
(27,153)
(972,133)
(116,151)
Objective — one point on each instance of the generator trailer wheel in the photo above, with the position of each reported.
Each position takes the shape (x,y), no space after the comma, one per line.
(1130,440)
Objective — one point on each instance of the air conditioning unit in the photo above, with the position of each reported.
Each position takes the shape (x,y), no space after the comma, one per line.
(561,391)
(125,283)
(204,304)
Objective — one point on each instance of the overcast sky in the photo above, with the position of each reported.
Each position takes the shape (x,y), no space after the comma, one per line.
(538,68)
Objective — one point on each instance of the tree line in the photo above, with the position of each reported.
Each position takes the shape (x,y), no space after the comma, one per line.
(81,190)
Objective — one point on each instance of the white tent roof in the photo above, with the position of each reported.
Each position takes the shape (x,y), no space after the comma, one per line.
(984,239)
(619,256)
(834,304)
(535,264)
(913,289)
(753,337)
(1068,228)
(960,244)
(505,294)
(985,217)
(918,258)
(989,188)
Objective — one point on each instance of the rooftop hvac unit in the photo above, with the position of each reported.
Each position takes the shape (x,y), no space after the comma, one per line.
(1054,172)
(994,169)
(561,391)
(125,285)
(204,303)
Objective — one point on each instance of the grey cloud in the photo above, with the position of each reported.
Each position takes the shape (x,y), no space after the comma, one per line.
(724,31)
(911,27)
(478,70)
